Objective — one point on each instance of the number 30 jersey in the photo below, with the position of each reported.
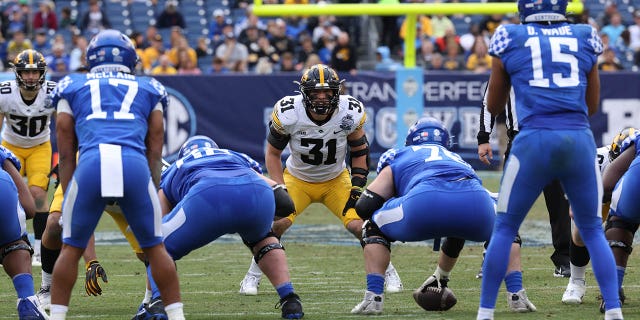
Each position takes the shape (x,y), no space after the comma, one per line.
(25,125)
(548,66)
(317,151)
(110,107)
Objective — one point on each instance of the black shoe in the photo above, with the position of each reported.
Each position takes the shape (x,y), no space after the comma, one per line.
(291,307)
(562,271)
(620,295)
(154,310)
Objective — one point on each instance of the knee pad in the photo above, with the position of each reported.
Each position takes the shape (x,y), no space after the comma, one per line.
(626,247)
(372,234)
(250,245)
(14,247)
(452,247)
(264,250)
(620,223)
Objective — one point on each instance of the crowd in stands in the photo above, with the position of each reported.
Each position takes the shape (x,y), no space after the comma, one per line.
(245,43)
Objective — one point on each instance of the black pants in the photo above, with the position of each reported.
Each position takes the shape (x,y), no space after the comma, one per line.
(558,207)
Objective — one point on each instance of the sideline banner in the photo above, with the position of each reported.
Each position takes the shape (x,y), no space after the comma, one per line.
(234,109)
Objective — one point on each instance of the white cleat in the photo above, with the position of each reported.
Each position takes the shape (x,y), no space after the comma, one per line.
(518,302)
(371,304)
(392,282)
(44,296)
(249,285)
(575,292)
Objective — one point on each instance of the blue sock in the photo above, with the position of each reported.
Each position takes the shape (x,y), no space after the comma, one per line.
(155,292)
(375,283)
(513,281)
(24,285)
(620,271)
(284,289)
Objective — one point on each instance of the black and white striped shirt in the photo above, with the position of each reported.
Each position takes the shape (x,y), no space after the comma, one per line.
(487,120)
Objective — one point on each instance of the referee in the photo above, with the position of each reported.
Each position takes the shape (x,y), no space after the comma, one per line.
(557,204)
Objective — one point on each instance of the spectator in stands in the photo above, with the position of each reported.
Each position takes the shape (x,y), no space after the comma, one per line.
(217,67)
(170,16)
(94,20)
(453,59)
(182,45)
(262,48)
(325,48)
(216,26)
(152,54)
(60,66)
(279,38)
(436,63)
(634,32)
(233,54)
(468,39)
(249,36)
(479,60)
(325,28)
(425,54)
(287,63)
(623,50)
(312,60)
(58,54)
(45,17)
(614,28)
(489,24)
(609,61)
(66,20)
(423,23)
(604,17)
(389,31)
(249,19)
(442,43)
(441,25)
(149,34)
(17,21)
(202,48)
(264,66)
(295,26)
(41,42)
(77,55)
(384,61)
(186,66)
(139,41)
(17,44)
(175,35)
(164,67)
(344,56)
(305,49)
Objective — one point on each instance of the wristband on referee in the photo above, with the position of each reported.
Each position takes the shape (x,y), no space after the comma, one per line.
(483,137)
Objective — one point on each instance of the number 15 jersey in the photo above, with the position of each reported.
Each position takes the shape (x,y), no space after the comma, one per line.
(548,66)
(317,151)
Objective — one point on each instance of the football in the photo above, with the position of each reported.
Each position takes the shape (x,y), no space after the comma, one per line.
(434,298)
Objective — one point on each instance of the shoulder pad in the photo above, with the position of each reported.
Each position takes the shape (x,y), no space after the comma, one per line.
(285,111)
(386,159)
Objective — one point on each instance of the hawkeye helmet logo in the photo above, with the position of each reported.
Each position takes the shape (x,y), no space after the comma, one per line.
(180,124)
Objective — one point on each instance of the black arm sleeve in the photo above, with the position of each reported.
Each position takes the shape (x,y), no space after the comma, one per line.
(277,139)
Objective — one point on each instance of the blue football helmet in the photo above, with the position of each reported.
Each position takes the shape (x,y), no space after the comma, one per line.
(542,10)
(112,48)
(428,130)
(196,142)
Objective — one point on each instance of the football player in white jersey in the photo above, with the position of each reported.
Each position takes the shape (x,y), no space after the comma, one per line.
(25,114)
(320,126)
(576,288)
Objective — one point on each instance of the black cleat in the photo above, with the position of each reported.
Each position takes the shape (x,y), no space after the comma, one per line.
(291,307)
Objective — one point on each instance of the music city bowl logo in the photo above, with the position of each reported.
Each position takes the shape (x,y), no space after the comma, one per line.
(179,124)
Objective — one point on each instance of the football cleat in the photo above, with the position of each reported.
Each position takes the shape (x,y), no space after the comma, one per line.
(392,282)
(620,294)
(371,304)
(154,310)
(575,291)
(562,271)
(291,307)
(519,302)
(29,309)
(44,297)
(249,285)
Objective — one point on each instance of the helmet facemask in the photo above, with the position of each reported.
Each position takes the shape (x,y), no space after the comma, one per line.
(322,100)
(320,77)
(29,60)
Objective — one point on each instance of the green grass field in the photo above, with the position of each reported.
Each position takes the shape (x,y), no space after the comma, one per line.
(330,279)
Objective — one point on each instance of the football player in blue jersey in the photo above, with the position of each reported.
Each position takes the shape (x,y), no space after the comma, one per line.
(209,192)
(621,182)
(115,120)
(15,252)
(422,192)
(551,66)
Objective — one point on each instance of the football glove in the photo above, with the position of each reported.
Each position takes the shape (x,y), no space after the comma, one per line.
(91,284)
(353,198)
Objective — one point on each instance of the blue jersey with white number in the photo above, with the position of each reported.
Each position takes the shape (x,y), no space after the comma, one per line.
(97,99)
(548,66)
(204,163)
(414,164)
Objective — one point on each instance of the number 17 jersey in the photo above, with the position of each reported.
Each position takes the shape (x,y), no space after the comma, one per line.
(110,107)
(548,66)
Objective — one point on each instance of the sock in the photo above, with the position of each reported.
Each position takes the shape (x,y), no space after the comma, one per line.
(439,273)
(284,289)
(155,292)
(23,283)
(147,296)
(375,283)
(254,268)
(48,258)
(485,313)
(46,279)
(39,224)
(620,270)
(513,281)
(578,273)
(174,311)
(58,312)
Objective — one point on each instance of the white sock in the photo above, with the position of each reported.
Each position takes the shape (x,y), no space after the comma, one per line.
(612,314)
(441,273)
(36,247)
(58,312)
(254,268)
(174,311)
(485,313)
(46,280)
(578,273)
(147,296)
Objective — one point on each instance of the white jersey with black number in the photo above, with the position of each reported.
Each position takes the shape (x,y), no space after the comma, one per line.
(317,151)
(25,125)
(602,156)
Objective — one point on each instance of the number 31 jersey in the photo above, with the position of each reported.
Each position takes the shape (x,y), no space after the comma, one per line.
(110,107)
(25,125)
(317,151)
(548,66)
